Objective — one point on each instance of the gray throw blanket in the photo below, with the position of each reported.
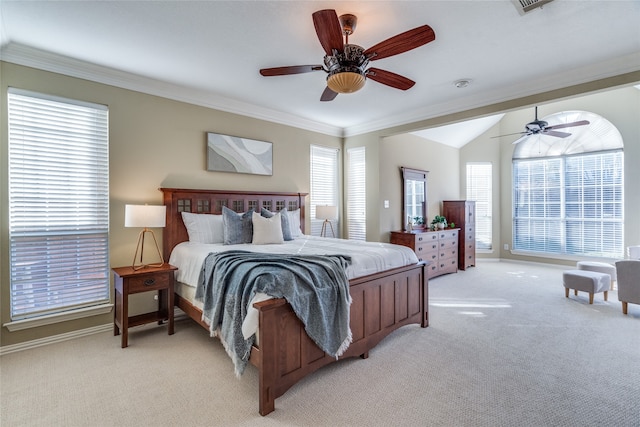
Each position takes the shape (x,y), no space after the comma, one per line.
(316,286)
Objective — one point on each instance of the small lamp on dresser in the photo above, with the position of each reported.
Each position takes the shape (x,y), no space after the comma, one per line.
(146,217)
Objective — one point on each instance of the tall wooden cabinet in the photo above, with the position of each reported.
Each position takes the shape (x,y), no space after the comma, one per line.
(440,248)
(463,214)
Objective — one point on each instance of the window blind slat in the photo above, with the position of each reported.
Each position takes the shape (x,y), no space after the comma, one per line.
(570,205)
(357,201)
(324,185)
(58,204)
(479,188)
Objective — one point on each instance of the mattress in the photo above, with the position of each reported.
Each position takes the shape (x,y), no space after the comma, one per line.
(366,258)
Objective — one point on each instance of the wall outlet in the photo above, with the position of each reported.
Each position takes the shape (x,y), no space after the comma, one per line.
(506,246)
(386,204)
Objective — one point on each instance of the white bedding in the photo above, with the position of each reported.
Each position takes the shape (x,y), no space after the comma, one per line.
(366,258)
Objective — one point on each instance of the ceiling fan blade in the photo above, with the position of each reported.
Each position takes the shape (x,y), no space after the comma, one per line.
(328,95)
(328,30)
(555,133)
(294,69)
(511,134)
(401,43)
(568,125)
(390,79)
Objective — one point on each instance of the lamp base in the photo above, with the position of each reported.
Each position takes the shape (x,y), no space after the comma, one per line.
(323,232)
(140,248)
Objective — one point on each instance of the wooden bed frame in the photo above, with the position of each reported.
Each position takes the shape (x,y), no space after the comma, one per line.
(382,302)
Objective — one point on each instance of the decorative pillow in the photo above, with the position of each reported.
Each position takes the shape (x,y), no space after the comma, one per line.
(203,228)
(286,229)
(267,230)
(237,227)
(294,223)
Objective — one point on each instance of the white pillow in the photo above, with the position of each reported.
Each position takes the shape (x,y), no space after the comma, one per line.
(267,230)
(203,228)
(294,223)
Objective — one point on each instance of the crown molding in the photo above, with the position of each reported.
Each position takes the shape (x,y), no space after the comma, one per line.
(47,61)
(628,64)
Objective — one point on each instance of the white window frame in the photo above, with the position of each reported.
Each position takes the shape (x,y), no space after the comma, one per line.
(324,185)
(58,209)
(357,193)
(479,188)
(554,212)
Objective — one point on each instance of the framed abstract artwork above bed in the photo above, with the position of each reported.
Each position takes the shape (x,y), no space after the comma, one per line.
(226,153)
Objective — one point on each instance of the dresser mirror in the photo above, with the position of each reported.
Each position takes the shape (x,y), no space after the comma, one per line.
(414,193)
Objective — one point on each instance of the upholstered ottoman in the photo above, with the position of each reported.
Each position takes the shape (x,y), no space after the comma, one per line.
(600,267)
(586,281)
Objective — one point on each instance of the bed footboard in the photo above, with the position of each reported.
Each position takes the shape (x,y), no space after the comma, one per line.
(381,304)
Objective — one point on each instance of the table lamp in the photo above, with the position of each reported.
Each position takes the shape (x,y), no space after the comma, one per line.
(329,213)
(145,216)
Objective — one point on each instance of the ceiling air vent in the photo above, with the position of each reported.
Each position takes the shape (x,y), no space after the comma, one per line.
(525,6)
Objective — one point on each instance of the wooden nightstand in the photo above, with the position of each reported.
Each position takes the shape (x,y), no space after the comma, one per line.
(128,281)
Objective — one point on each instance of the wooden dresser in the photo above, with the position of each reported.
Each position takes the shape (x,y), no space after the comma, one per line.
(440,248)
(463,214)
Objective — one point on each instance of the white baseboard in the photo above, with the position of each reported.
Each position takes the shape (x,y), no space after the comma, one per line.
(55,339)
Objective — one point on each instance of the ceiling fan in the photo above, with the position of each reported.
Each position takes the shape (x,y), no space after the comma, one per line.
(346,64)
(540,127)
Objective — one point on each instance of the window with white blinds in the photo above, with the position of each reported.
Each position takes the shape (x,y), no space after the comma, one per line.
(570,205)
(479,188)
(357,197)
(324,185)
(58,204)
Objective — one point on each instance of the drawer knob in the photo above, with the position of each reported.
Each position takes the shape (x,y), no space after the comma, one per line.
(150,282)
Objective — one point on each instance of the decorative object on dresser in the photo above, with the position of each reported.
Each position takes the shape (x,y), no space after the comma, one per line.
(145,216)
(127,281)
(438,248)
(439,222)
(463,214)
(328,213)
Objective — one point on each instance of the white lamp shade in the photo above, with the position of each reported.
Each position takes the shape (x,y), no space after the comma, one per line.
(327,212)
(145,216)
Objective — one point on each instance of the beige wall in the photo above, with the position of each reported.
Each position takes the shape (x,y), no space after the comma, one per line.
(154,142)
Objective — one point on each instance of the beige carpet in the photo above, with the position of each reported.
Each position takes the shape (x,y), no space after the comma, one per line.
(505,348)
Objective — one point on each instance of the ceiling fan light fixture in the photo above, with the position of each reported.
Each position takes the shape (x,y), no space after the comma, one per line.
(346,82)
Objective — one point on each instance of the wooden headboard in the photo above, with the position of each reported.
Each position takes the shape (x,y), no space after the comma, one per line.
(178,200)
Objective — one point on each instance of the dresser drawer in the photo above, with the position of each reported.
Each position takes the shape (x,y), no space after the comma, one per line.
(448,243)
(429,255)
(448,266)
(447,234)
(448,254)
(148,282)
(426,237)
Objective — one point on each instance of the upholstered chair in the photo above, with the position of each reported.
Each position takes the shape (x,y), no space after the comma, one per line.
(628,282)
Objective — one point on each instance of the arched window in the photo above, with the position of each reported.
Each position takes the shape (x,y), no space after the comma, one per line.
(568,192)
